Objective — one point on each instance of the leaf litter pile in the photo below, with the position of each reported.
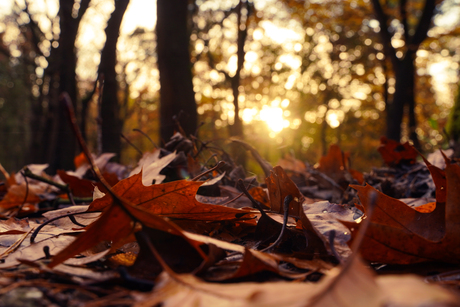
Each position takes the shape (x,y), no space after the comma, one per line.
(186,227)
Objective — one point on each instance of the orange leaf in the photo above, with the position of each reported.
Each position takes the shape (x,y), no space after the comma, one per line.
(113,225)
(173,199)
(16,196)
(334,162)
(80,160)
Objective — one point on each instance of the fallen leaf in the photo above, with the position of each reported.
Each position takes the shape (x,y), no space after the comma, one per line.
(394,153)
(173,199)
(14,226)
(279,186)
(79,187)
(351,286)
(400,234)
(36,251)
(335,165)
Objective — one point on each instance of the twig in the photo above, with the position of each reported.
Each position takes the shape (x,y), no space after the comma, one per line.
(146,135)
(326,177)
(266,167)
(239,195)
(73,121)
(28,173)
(256,204)
(287,200)
(71,216)
(131,143)
(219,165)
(99,112)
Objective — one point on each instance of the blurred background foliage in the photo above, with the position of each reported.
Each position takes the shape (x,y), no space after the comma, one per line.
(286,76)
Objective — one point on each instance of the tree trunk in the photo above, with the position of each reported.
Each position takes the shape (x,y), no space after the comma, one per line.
(53,140)
(110,110)
(177,98)
(404,68)
(65,145)
(403,101)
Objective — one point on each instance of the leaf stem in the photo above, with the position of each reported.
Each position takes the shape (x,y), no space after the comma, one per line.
(287,200)
(28,173)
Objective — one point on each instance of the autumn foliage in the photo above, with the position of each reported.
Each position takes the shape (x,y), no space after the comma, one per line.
(178,241)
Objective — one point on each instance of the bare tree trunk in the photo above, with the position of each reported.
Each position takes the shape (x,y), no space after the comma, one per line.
(177,98)
(54,142)
(242,22)
(110,110)
(236,129)
(404,67)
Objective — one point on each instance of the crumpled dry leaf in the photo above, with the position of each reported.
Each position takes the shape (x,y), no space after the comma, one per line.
(279,186)
(401,234)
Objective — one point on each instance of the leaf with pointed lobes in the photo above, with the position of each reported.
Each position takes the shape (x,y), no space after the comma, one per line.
(279,186)
(399,234)
(173,199)
(394,153)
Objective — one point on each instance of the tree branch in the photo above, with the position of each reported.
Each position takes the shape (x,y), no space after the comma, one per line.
(424,25)
(384,32)
(403,13)
(37,33)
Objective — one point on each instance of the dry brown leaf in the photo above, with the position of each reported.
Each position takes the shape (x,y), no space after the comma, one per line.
(279,186)
(401,234)
(353,286)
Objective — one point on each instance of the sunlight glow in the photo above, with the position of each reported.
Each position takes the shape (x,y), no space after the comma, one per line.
(248,115)
(139,14)
(279,35)
(232,65)
(273,117)
(334,118)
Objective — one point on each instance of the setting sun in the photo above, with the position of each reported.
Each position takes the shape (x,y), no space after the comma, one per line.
(273,117)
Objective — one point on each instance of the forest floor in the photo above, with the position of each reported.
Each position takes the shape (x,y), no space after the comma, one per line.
(187,227)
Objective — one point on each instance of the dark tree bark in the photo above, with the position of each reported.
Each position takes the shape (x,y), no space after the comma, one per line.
(242,23)
(403,67)
(111,124)
(177,98)
(53,140)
